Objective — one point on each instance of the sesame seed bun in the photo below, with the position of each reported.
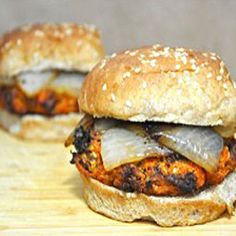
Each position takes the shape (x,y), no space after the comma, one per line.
(40,47)
(43,47)
(161,84)
(165,211)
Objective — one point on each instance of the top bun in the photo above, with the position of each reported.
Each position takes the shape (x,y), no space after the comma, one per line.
(161,84)
(50,46)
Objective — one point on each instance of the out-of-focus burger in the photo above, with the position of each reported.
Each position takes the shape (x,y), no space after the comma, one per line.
(42,67)
(153,144)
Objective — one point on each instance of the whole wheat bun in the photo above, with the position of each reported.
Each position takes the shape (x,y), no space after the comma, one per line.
(165,211)
(38,47)
(38,127)
(42,47)
(161,84)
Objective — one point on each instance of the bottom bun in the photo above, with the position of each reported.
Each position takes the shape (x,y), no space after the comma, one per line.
(165,211)
(39,127)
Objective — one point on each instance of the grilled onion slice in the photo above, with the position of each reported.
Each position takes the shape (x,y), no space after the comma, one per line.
(121,145)
(201,145)
(67,82)
(32,82)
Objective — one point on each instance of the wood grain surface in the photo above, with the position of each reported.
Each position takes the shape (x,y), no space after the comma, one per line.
(41,194)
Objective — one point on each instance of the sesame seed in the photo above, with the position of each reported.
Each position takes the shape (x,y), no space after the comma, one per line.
(209,75)
(144,84)
(155,54)
(104,87)
(113,97)
(126,74)
(38,33)
(197,70)
(137,69)
(193,66)
(222,64)
(156,46)
(225,86)
(180,49)
(142,56)
(186,72)
(153,63)
(205,54)
(234,84)
(177,66)
(19,42)
(128,103)
(113,55)
(219,77)
(184,60)
(133,53)
(68,31)
(173,74)
(166,49)
(222,70)
(213,58)
(192,61)
(177,54)
(127,52)
(103,63)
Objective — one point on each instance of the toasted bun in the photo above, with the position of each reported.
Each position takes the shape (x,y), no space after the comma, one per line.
(50,46)
(38,127)
(161,84)
(165,211)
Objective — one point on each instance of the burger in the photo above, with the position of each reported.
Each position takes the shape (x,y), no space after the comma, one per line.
(42,67)
(157,141)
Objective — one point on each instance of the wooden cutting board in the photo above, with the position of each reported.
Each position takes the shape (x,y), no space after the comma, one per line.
(41,194)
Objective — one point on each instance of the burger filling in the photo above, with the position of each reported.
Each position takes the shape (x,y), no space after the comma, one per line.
(46,93)
(151,158)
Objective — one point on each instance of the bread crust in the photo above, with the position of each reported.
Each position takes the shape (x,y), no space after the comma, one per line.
(165,211)
(39,127)
(38,47)
(161,84)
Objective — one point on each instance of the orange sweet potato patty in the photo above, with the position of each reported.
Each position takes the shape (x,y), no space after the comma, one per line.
(47,102)
(157,175)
